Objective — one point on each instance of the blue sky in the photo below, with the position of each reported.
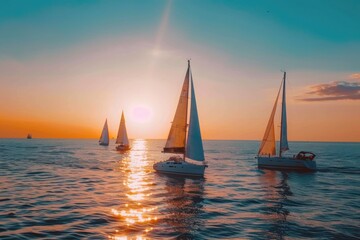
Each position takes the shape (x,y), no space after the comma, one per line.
(309,34)
(28,27)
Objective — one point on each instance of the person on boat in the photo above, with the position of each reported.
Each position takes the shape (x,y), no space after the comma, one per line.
(305,156)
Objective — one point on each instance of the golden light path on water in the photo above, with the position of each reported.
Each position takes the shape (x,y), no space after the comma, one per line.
(135,215)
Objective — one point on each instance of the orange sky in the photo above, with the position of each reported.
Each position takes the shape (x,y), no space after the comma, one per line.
(69,90)
(75,105)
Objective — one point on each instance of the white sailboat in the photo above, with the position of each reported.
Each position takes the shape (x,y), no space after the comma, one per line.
(104,138)
(122,137)
(190,147)
(267,153)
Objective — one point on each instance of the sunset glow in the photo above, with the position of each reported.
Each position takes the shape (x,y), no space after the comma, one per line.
(63,83)
(141,114)
(179,119)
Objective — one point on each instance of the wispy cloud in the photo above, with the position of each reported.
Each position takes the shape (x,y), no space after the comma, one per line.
(339,90)
(355,76)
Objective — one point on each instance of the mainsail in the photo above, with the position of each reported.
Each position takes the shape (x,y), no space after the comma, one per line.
(194,145)
(176,138)
(122,137)
(283,134)
(268,143)
(104,138)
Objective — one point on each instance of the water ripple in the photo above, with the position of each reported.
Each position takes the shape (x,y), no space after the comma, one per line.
(76,189)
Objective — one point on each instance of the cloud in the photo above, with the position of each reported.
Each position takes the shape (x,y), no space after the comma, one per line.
(339,90)
(355,76)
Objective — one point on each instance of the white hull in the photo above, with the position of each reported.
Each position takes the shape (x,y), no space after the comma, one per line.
(180,168)
(286,163)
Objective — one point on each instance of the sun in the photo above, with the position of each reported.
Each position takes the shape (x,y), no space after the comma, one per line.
(141,114)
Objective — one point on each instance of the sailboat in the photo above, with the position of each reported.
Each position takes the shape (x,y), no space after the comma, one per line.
(29,136)
(104,138)
(267,157)
(177,143)
(122,137)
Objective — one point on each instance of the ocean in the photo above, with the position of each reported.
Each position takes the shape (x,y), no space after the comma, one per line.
(76,189)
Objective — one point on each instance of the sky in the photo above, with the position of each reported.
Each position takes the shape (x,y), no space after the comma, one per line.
(66,66)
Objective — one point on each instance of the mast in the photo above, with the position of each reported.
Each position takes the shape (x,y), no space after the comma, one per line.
(186,114)
(122,137)
(104,134)
(283,131)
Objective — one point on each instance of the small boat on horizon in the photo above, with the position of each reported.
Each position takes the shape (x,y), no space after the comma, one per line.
(192,147)
(122,137)
(267,152)
(29,136)
(104,138)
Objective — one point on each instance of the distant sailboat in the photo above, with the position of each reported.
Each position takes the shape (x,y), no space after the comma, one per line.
(267,153)
(104,138)
(29,136)
(122,137)
(176,142)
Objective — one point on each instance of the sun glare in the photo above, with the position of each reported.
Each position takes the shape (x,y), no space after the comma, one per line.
(141,114)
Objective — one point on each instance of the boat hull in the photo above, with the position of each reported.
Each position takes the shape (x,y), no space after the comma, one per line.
(103,144)
(286,163)
(123,148)
(180,168)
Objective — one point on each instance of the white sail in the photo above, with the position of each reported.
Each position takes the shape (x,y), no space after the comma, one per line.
(267,146)
(283,135)
(194,145)
(122,137)
(176,138)
(104,138)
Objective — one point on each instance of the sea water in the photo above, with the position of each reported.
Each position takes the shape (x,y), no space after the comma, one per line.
(76,189)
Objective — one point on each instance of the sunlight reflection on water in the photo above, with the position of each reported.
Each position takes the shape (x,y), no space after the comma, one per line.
(135,213)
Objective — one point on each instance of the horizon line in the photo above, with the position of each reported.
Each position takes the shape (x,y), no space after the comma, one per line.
(254,140)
